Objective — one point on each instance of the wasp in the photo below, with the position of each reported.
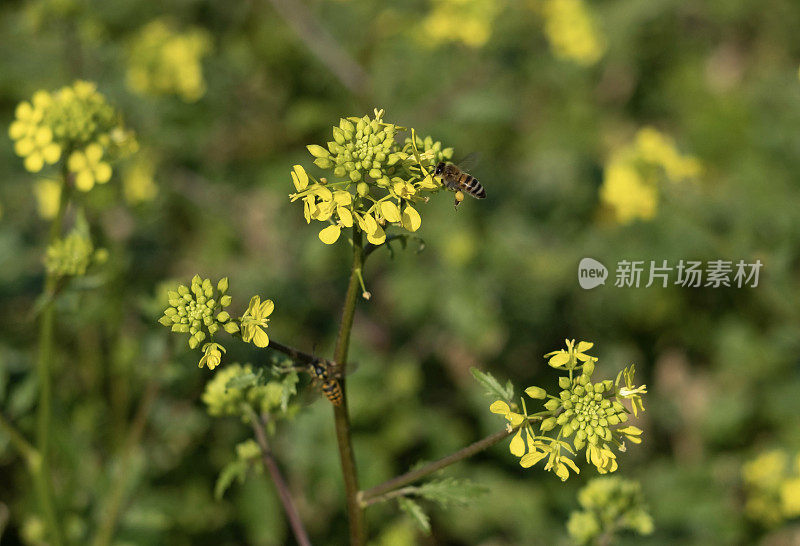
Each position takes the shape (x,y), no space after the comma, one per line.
(327,375)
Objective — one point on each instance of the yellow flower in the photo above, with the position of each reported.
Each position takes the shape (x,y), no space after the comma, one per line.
(138,184)
(574,352)
(255,320)
(89,167)
(212,355)
(631,391)
(502,408)
(33,139)
(48,197)
(790,497)
(572,32)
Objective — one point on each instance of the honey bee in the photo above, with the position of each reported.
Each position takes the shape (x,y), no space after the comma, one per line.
(327,376)
(459,181)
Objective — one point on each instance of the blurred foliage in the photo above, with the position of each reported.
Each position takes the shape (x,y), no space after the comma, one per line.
(495,287)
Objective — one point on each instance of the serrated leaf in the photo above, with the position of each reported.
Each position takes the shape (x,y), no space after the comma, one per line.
(451,491)
(416,512)
(289,389)
(242,381)
(236,470)
(492,385)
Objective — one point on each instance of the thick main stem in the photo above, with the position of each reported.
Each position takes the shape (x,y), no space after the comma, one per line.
(340,414)
(42,476)
(280,484)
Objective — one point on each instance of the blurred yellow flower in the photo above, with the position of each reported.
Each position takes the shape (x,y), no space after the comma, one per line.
(162,61)
(138,183)
(466,21)
(572,32)
(33,138)
(89,167)
(633,173)
(48,197)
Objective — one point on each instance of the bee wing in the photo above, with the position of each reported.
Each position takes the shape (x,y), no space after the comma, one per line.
(469,161)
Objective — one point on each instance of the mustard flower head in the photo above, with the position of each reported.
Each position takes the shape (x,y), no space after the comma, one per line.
(609,505)
(163,61)
(772,487)
(456,21)
(636,171)
(377,181)
(198,310)
(572,31)
(255,321)
(76,121)
(585,416)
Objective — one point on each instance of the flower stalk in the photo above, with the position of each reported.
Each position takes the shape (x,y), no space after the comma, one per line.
(42,472)
(341,416)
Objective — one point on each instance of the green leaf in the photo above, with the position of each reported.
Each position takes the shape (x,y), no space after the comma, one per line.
(451,491)
(416,512)
(492,385)
(236,470)
(289,389)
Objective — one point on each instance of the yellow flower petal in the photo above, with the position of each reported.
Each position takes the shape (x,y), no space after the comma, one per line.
(517,446)
(94,153)
(266,308)
(531,459)
(102,173)
(330,234)
(84,180)
(411,219)
(261,339)
(76,162)
(51,152)
(376,237)
(345,217)
(390,211)
(499,407)
(559,360)
(299,177)
(34,162)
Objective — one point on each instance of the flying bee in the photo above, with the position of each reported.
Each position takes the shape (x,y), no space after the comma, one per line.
(327,375)
(459,181)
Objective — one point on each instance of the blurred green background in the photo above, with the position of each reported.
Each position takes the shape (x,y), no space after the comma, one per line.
(549,92)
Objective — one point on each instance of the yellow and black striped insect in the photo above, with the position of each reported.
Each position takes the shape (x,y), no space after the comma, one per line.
(327,375)
(459,181)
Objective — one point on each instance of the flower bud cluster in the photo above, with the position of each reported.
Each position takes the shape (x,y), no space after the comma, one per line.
(377,181)
(585,415)
(72,255)
(199,310)
(609,505)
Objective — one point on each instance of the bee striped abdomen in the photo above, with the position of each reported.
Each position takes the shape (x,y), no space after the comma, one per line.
(333,391)
(471,185)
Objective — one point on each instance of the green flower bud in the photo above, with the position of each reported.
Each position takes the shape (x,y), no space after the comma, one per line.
(317,151)
(552,404)
(536,392)
(363,189)
(548,424)
(323,163)
(564,382)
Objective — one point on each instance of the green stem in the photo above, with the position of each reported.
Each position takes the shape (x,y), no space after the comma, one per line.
(271,466)
(341,417)
(43,477)
(370,496)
